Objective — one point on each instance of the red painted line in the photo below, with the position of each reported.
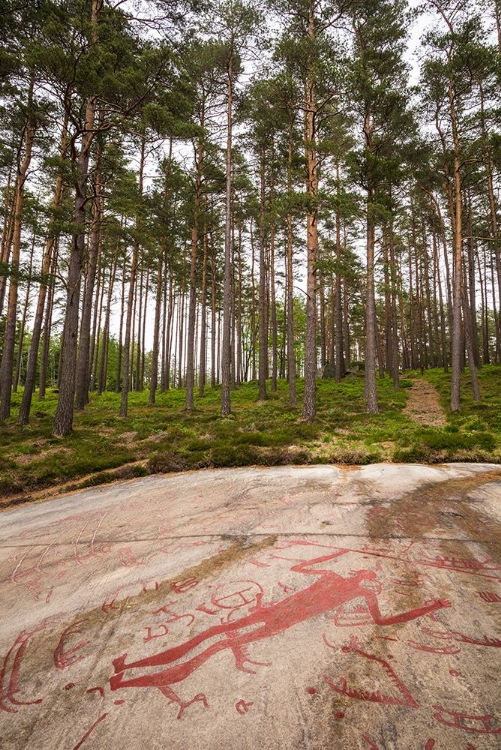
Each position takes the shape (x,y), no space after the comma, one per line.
(88,732)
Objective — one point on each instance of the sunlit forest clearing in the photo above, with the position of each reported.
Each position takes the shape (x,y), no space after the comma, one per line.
(166,438)
(243,232)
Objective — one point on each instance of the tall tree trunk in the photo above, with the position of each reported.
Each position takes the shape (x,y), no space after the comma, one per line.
(24,316)
(96,331)
(457,234)
(130,298)
(156,331)
(63,421)
(45,350)
(7,364)
(339,343)
(203,320)
(83,359)
(190,352)
(135,366)
(143,332)
(227,283)
(438,284)
(433,360)
(322,319)
(370,320)
(118,383)
(310,354)
(238,309)
(395,354)
(471,280)
(103,366)
(493,208)
(163,353)
(263,317)
(388,342)
(469,343)
(346,308)
(291,355)
(169,333)
(180,333)
(213,311)
(10,198)
(484,311)
(253,303)
(273,302)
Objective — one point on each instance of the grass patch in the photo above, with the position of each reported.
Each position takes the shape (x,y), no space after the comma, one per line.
(166,438)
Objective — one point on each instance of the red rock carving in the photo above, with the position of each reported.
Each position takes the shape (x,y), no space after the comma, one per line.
(328,592)
(98,689)
(64,657)
(78,557)
(453,635)
(237,594)
(467,722)
(203,608)
(179,587)
(9,683)
(449,650)
(487,568)
(406,698)
(489,596)
(89,731)
(174,617)
(372,745)
(127,558)
(243,706)
(347,618)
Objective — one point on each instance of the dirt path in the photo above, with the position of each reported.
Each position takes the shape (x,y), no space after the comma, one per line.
(423,405)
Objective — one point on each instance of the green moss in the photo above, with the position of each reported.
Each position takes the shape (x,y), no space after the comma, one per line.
(239,455)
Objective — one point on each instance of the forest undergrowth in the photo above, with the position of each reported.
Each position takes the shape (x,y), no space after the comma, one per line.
(166,438)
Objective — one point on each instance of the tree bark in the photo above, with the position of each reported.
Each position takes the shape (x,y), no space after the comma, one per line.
(130,297)
(370,319)
(83,365)
(7,364)
(291,355)
(203,320)
(103,367)
(45,351)
(457,235)
(190,352)
(263,317)
(63,421)
(227,285)
(310,354)
(24,316)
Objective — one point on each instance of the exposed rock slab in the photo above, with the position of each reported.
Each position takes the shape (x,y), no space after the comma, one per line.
(312,607)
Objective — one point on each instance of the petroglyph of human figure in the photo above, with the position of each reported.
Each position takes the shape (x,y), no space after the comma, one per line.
(328,592)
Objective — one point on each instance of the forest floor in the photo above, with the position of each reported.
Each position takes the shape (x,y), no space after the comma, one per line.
(414,425)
